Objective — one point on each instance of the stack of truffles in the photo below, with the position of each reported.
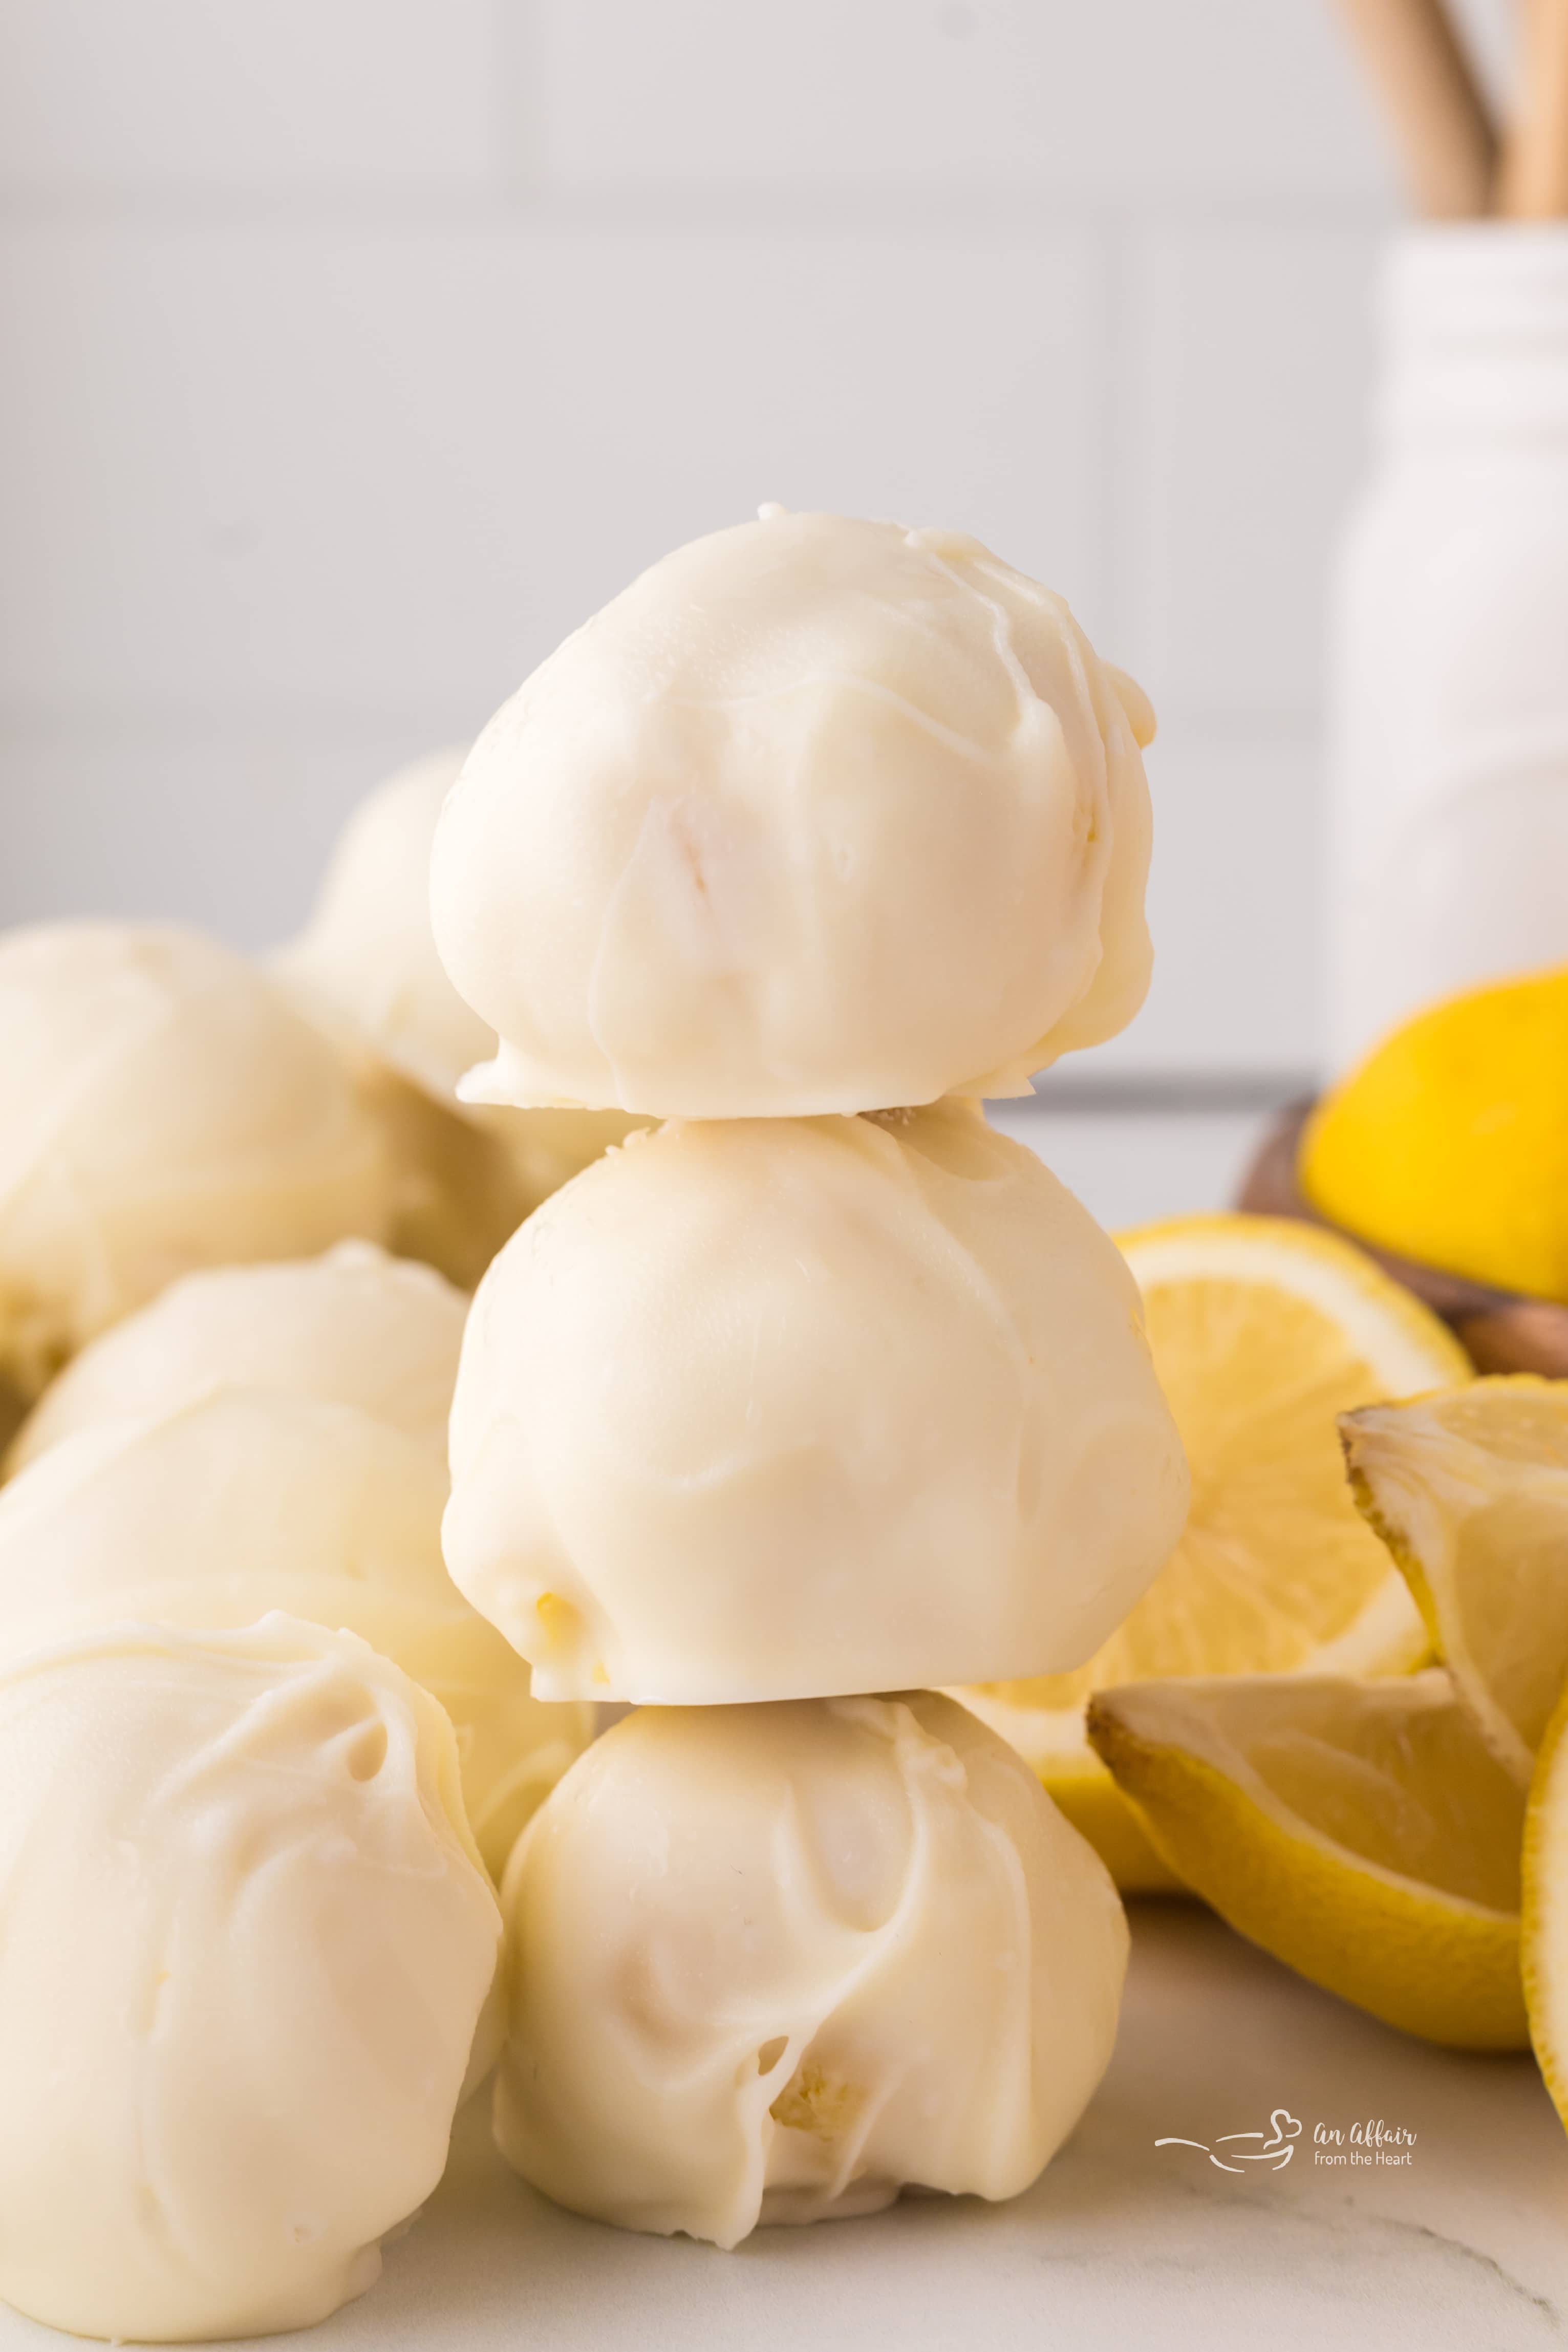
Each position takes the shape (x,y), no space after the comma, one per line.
(817,1396)
(811,1397)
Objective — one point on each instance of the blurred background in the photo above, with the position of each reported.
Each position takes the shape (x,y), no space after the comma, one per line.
(358,349)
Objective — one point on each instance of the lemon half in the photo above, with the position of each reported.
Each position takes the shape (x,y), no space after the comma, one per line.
(1359,1830)
(1263,1330)
(1450,1142)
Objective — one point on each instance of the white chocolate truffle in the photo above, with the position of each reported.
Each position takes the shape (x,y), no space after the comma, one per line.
(367,950)
(365,968)
(781,1408)
(162,1107)
(775,1963)
(246,1500)
(248,1946)
(817,815)
(355,1326)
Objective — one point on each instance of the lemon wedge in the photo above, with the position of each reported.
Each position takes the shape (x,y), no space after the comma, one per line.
(1545,1921)
(1358,1828)
(1469,1491)
(1450,1142)
(1263,1331)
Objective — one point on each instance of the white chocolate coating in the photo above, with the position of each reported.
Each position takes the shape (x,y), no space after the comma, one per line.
(355,1325)
(365,969)
(245,1500)
(247,1943)
(162,1107)
(776,1408)
(774,1963)
(816,815)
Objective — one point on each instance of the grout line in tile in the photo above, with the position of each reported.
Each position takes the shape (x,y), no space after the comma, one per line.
(1011,212)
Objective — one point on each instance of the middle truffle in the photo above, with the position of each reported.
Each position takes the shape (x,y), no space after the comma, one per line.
(800,1408)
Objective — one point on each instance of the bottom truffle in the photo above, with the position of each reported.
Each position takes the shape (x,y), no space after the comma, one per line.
(775,1963)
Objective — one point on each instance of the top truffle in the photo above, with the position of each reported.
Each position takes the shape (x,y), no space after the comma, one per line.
(817,815)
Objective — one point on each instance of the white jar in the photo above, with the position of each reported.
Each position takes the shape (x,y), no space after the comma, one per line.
(1448,641)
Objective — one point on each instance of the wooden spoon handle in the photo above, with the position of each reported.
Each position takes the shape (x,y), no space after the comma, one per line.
(1533,182)
(1435,108)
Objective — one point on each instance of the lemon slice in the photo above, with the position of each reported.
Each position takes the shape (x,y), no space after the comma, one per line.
(1263,1330)
(1359,1830)
(1469,1491)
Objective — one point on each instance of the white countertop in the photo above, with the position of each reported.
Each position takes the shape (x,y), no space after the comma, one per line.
(1121,2245)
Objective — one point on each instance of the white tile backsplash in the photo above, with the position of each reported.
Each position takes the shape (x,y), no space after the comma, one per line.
(1130,1168)
(1232,902)
(357,348)
(1115,98)
(368,472)
(1249,347)
(265,95)
(225,829)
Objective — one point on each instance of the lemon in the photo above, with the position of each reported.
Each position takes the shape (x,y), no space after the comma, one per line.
(1469,1491)
(1262,1331)
(1545,1921)
(1359,1830)
(1450,1143)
